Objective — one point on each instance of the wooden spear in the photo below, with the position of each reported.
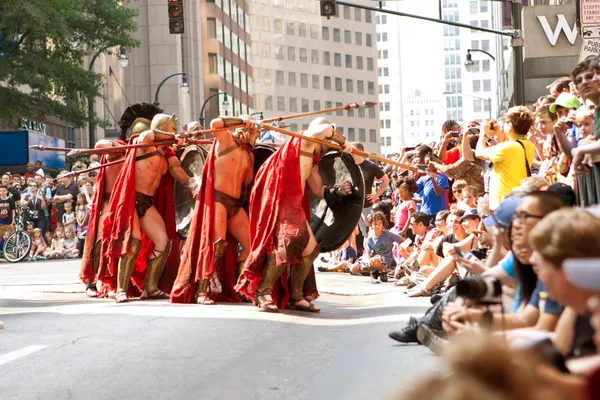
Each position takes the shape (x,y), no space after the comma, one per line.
(349,106)
(354,151)
(41,147)
(117,149)
(84,171)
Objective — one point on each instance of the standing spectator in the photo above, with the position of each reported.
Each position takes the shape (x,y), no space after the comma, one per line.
(406,189)
(13,192)
(371,172)
(432,191)
(7,208)
(69,219)
(38,168)
(67,191)
(35,200)
(512,159)
(449,152)
(560,85)
(82,215)
(30,171)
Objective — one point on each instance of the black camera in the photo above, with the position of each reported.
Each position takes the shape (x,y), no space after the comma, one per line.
(482,290)
(454,134)
(545,348)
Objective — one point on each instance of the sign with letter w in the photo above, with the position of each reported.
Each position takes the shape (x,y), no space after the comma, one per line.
(562,25)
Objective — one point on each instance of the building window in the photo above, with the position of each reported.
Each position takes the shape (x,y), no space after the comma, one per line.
(279,81)
(369,40)
(475,44)
(269,102)
(279,51)
(485,45)
(359,62)
(327,83)
(338,84)
(266,50)
(304,105)
(293,104)
(326,58)
(265,24)
(337,59)
(349,86)
(360,87)
(303,55)
(325,32)
(358,38)
(351,135)
(487,85)
(362,135)
(371,87)
(292,79)
(346,12)
(291,53)
(477,86)
(315,81)
(361,113)
(476,105)
(266,75)
(278,26)
(473,7)
(211,28)
(357,12)
(483,6)
(486,65)
(290,28)
(384,37)
(304,80)
(339,113)
(370,64)
(385,54)
(486,105)
(314,32)
(372,113)
(213,67)
(368,16)
(350,113)
(316,105)
(280,103)
(314,56)
(302,30)
(372,136)
(347,37)
(328,104)
(348,61)
(336,35)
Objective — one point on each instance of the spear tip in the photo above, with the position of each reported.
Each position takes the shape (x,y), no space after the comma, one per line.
(73,153)
(37,147)
(367,104)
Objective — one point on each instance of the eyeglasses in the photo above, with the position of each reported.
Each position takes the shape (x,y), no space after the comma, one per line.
(457,191)
(522,216)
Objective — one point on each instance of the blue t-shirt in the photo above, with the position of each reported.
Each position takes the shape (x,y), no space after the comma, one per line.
(432,203)
(508,265)
(551,306)
(382,245)
(347,254)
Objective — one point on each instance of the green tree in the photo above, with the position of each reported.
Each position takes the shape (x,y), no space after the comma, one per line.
(43,44)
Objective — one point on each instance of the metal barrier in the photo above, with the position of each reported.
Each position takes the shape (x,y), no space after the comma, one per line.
(588,186)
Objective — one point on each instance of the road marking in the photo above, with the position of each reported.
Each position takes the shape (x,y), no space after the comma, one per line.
(25,351)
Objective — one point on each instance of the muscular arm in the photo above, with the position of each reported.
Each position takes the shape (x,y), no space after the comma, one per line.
(177,172)
(224,136)
(315,183)
(385,182)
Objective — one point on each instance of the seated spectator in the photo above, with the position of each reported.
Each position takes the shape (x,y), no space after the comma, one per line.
(57,246)
(411,260)
(70,243)
(345,257)
(377,258)
(38,246)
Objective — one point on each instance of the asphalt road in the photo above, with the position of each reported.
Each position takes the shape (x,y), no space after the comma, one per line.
(57,344)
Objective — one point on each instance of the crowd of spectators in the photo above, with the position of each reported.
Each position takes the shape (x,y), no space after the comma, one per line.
(492,208)
(57,208)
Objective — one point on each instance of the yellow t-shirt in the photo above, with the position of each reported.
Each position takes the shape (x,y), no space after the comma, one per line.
(509,168)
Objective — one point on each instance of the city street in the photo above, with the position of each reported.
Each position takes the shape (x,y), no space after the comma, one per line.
(57,344)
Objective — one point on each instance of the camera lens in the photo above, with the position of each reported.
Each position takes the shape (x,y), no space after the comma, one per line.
(481,290)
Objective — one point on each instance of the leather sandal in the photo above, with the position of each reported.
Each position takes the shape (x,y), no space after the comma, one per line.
(203,299)
(156,294)
(266,303)
(121,297)
(297,305)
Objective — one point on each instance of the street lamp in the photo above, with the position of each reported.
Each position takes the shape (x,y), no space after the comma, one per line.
(185,87)
(470,63)
(123,62)
(489,100)
(225,103)
(258,112)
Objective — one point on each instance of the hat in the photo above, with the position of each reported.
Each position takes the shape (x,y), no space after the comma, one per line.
(566,100)
(470,213)
(503,215)
(565,191)
(583,272)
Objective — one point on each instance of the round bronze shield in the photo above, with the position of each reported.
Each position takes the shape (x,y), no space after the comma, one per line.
(192,161)
(261,153)
(332,228)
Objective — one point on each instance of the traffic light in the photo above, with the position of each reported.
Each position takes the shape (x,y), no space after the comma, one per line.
(328,8)
(176,24)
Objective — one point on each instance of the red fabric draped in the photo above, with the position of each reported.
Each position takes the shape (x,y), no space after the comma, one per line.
(118,228)
(86,272)
(198,253)
(275,205)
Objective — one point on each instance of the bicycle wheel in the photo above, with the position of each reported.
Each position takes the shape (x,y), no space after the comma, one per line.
(17,247)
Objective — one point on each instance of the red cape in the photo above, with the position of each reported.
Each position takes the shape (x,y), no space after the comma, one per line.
(118,228)
(86,272)
(275,200)
(198,252)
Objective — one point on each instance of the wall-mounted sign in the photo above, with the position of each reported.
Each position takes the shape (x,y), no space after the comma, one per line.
(589,12)
(32,126)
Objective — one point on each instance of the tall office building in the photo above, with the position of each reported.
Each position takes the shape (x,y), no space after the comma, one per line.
(304,62)
(424,116)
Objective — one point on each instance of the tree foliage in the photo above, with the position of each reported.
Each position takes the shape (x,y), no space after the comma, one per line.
(43,44)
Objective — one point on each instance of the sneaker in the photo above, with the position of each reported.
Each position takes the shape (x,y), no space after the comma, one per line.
(383,277)
(404,281)
(431,338)
(323,259)
(408,334)
(322,269)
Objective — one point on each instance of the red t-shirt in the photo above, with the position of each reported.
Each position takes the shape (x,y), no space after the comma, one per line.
(452,156)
